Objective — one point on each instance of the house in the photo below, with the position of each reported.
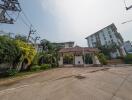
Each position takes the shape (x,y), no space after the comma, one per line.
(106,37)
(78,54)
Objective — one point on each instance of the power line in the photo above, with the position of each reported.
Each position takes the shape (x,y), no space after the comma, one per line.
(127,21)
(127,8)
(24,22)
(26,17)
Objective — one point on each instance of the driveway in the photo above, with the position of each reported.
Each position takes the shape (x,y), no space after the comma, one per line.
(96,83)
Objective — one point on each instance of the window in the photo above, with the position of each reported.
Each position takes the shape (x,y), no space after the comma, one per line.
(110,36)
(109,32)
(112,40)
(106,42)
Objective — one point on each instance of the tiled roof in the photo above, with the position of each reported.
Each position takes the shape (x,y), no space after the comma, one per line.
(79,49)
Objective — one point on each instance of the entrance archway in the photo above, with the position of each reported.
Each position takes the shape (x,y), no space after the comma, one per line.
(68,59)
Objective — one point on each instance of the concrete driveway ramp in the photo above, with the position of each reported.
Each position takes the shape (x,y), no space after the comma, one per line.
(74,84)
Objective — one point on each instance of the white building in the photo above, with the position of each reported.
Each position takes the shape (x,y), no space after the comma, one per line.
(65,44)
(128,47)
(105,37)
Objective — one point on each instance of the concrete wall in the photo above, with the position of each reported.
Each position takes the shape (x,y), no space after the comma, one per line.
(61,61)
(96,60)
(78,60)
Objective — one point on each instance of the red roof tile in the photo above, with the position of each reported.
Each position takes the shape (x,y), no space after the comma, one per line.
(79,49)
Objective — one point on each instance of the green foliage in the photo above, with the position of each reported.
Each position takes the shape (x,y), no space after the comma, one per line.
(42,67)
(28,51)
(46,66)
(49,55)
(9,52)
(107,49)
(14,51)
(21,38)
(11,72)
(54,65)
(88,59)
(68,59)
(102,58)
(35,68)
(128,59)
(47,46)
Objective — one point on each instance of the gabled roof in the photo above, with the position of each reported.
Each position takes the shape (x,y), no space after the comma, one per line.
(79,49)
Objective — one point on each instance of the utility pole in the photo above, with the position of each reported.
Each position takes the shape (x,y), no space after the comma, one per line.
(8,6)
(35,40)
(30,32)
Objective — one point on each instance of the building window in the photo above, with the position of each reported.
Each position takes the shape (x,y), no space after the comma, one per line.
(104,37)
(110,36)
(112,40)
(109,32)
(105,42)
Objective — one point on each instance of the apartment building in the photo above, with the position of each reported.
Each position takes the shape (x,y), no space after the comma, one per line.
(128,47)
(105,36)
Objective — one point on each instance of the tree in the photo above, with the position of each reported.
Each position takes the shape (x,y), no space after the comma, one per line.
(28,51)
(47,45)
(49,55)
(68,59)
(21,37)
(9,52)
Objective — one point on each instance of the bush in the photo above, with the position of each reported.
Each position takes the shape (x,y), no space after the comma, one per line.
(102,59)
(45,66)
(54,65)
(35,68)
(11,72)
(128,59)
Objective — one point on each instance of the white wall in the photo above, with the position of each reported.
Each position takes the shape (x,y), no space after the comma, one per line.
(61,61)
(128,46)
(78,59)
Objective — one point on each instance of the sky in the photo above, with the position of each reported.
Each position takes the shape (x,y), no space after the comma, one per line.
(72,20)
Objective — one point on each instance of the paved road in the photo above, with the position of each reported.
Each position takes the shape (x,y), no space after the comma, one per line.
(73,84)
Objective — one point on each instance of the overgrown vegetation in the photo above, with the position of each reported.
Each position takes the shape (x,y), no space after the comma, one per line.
(128,59)
(102,58)
(9,51)
(17,55)
(68,59)
(13,52)
(107,49)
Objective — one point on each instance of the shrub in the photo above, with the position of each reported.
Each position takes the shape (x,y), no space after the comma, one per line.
(35,68)
(9,52)
(54,65)
(128,59)
(11,72)
(102,58)
(45,66)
